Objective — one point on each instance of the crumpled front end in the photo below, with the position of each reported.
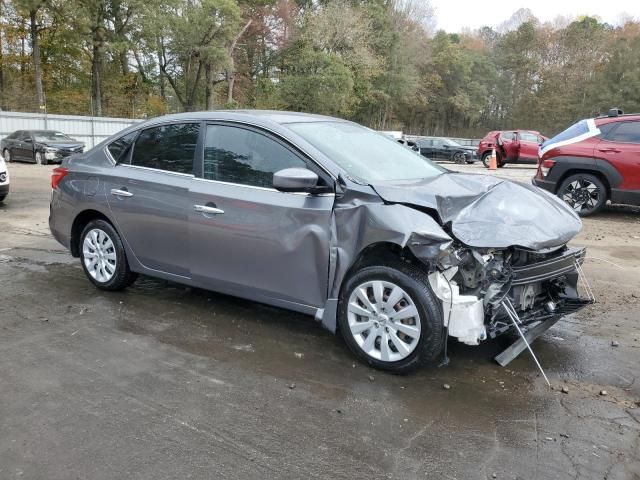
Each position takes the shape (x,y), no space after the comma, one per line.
(477,286)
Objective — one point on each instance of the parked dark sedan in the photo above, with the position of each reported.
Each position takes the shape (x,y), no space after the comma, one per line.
(439,148)
(39,146)
(324,217)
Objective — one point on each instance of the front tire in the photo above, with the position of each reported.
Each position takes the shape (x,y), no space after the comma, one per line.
(390,318)
(2,197)
(103,257)
(40,158)
(583,192)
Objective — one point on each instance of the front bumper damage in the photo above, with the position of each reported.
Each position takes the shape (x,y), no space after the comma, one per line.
(538,287)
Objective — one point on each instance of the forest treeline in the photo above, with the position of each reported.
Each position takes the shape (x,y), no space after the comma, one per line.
(378,62)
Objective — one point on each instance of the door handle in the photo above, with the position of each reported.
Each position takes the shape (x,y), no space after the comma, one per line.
(121,193)
(609,150)
(208,210)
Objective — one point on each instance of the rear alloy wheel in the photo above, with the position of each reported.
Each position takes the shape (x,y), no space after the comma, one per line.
(6,155)
(585,193)
(40,159)
(486,156)
(459,157)
(103,257)
(390,318)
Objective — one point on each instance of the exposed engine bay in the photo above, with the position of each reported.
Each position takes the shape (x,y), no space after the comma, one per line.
(473,283)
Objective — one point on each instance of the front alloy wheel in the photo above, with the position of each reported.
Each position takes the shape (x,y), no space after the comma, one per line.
(459,157)
(383,320)
(586,194)
(390,318)
(40,159)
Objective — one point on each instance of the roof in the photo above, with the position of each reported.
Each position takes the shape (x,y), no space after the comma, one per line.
(275,116)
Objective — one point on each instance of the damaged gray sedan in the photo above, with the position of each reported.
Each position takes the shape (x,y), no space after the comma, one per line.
(324,217)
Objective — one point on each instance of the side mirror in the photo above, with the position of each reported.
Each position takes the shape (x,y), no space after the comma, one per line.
(295,180)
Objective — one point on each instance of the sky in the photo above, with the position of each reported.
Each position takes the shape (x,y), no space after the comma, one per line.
(453,16)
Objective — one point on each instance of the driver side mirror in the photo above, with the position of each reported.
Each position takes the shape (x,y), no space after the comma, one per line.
(295,180)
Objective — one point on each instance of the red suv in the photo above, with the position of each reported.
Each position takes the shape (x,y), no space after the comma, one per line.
(593,161)
(512,146)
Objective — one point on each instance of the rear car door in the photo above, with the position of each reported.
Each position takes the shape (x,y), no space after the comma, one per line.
(148,194)
(621,148)
(253,240)
(529,145)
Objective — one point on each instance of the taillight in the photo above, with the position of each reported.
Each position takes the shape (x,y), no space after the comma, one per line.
(546,166)
(57,175)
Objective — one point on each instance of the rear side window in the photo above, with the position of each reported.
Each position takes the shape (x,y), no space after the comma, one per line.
(246,157)
(528,137)
(167,147)
(121,146)
(627,132)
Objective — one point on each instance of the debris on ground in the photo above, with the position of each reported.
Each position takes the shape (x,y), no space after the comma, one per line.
(564,390)
(298,355)
(292,386)
(604,393)
(371,378)
(446,386)
(614,343)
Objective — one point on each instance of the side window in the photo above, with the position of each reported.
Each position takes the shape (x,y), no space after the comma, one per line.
(238,155)
(508,136)
(167,147)
(606,129)
(528,137)
(13,135)
(119,147)
(627,132)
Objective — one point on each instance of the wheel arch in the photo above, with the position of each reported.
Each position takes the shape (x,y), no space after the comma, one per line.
(79,222)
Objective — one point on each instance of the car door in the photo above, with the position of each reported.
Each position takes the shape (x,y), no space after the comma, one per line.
(529,145)
(247,238)
(426,148)
(621,148)
(510,146)
(23,147)
(148,194)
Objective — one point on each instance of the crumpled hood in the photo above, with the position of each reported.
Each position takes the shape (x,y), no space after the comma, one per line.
(63,145)
(488,212)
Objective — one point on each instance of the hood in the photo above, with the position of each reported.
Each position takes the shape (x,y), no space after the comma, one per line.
(488,212)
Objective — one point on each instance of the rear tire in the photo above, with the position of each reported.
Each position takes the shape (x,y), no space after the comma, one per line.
(103,257)
(485,159)
(411,341)
(583,192)
(7,155)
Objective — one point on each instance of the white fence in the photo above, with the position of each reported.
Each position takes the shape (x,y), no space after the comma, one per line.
(90,130)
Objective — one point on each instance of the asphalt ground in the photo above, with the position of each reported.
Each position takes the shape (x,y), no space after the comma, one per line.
(167,382)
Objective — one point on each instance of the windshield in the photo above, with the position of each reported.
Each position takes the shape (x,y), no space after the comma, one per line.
(365,154)
(44,136)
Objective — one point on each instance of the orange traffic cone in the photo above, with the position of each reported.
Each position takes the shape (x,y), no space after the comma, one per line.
(493,161)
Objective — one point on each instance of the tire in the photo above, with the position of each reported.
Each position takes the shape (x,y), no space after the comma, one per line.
(458,158)
(414,292)
(583,192)
(7,155)
(39,158)
(485,159)
(2,197)
(470,162)
(110,271)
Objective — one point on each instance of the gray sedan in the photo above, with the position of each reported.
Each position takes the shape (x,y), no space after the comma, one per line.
(325,217)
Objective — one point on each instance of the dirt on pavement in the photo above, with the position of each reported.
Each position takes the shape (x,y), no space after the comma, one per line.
(163,381)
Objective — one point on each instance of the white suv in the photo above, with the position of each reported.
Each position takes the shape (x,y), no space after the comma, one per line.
(4,180)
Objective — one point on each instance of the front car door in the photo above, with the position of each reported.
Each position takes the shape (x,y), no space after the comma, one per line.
(529,144)
(247,238)
(23,147)
(148,194)
(509,145)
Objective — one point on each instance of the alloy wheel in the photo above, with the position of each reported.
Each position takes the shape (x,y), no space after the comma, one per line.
(581,195)
(99,255)
(7,155)
(383,320)
(458,157)
(38,158)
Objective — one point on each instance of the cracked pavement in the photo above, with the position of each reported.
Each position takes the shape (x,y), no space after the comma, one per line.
(163,381)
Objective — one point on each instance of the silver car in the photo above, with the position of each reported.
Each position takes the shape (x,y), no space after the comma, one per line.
(325,217)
